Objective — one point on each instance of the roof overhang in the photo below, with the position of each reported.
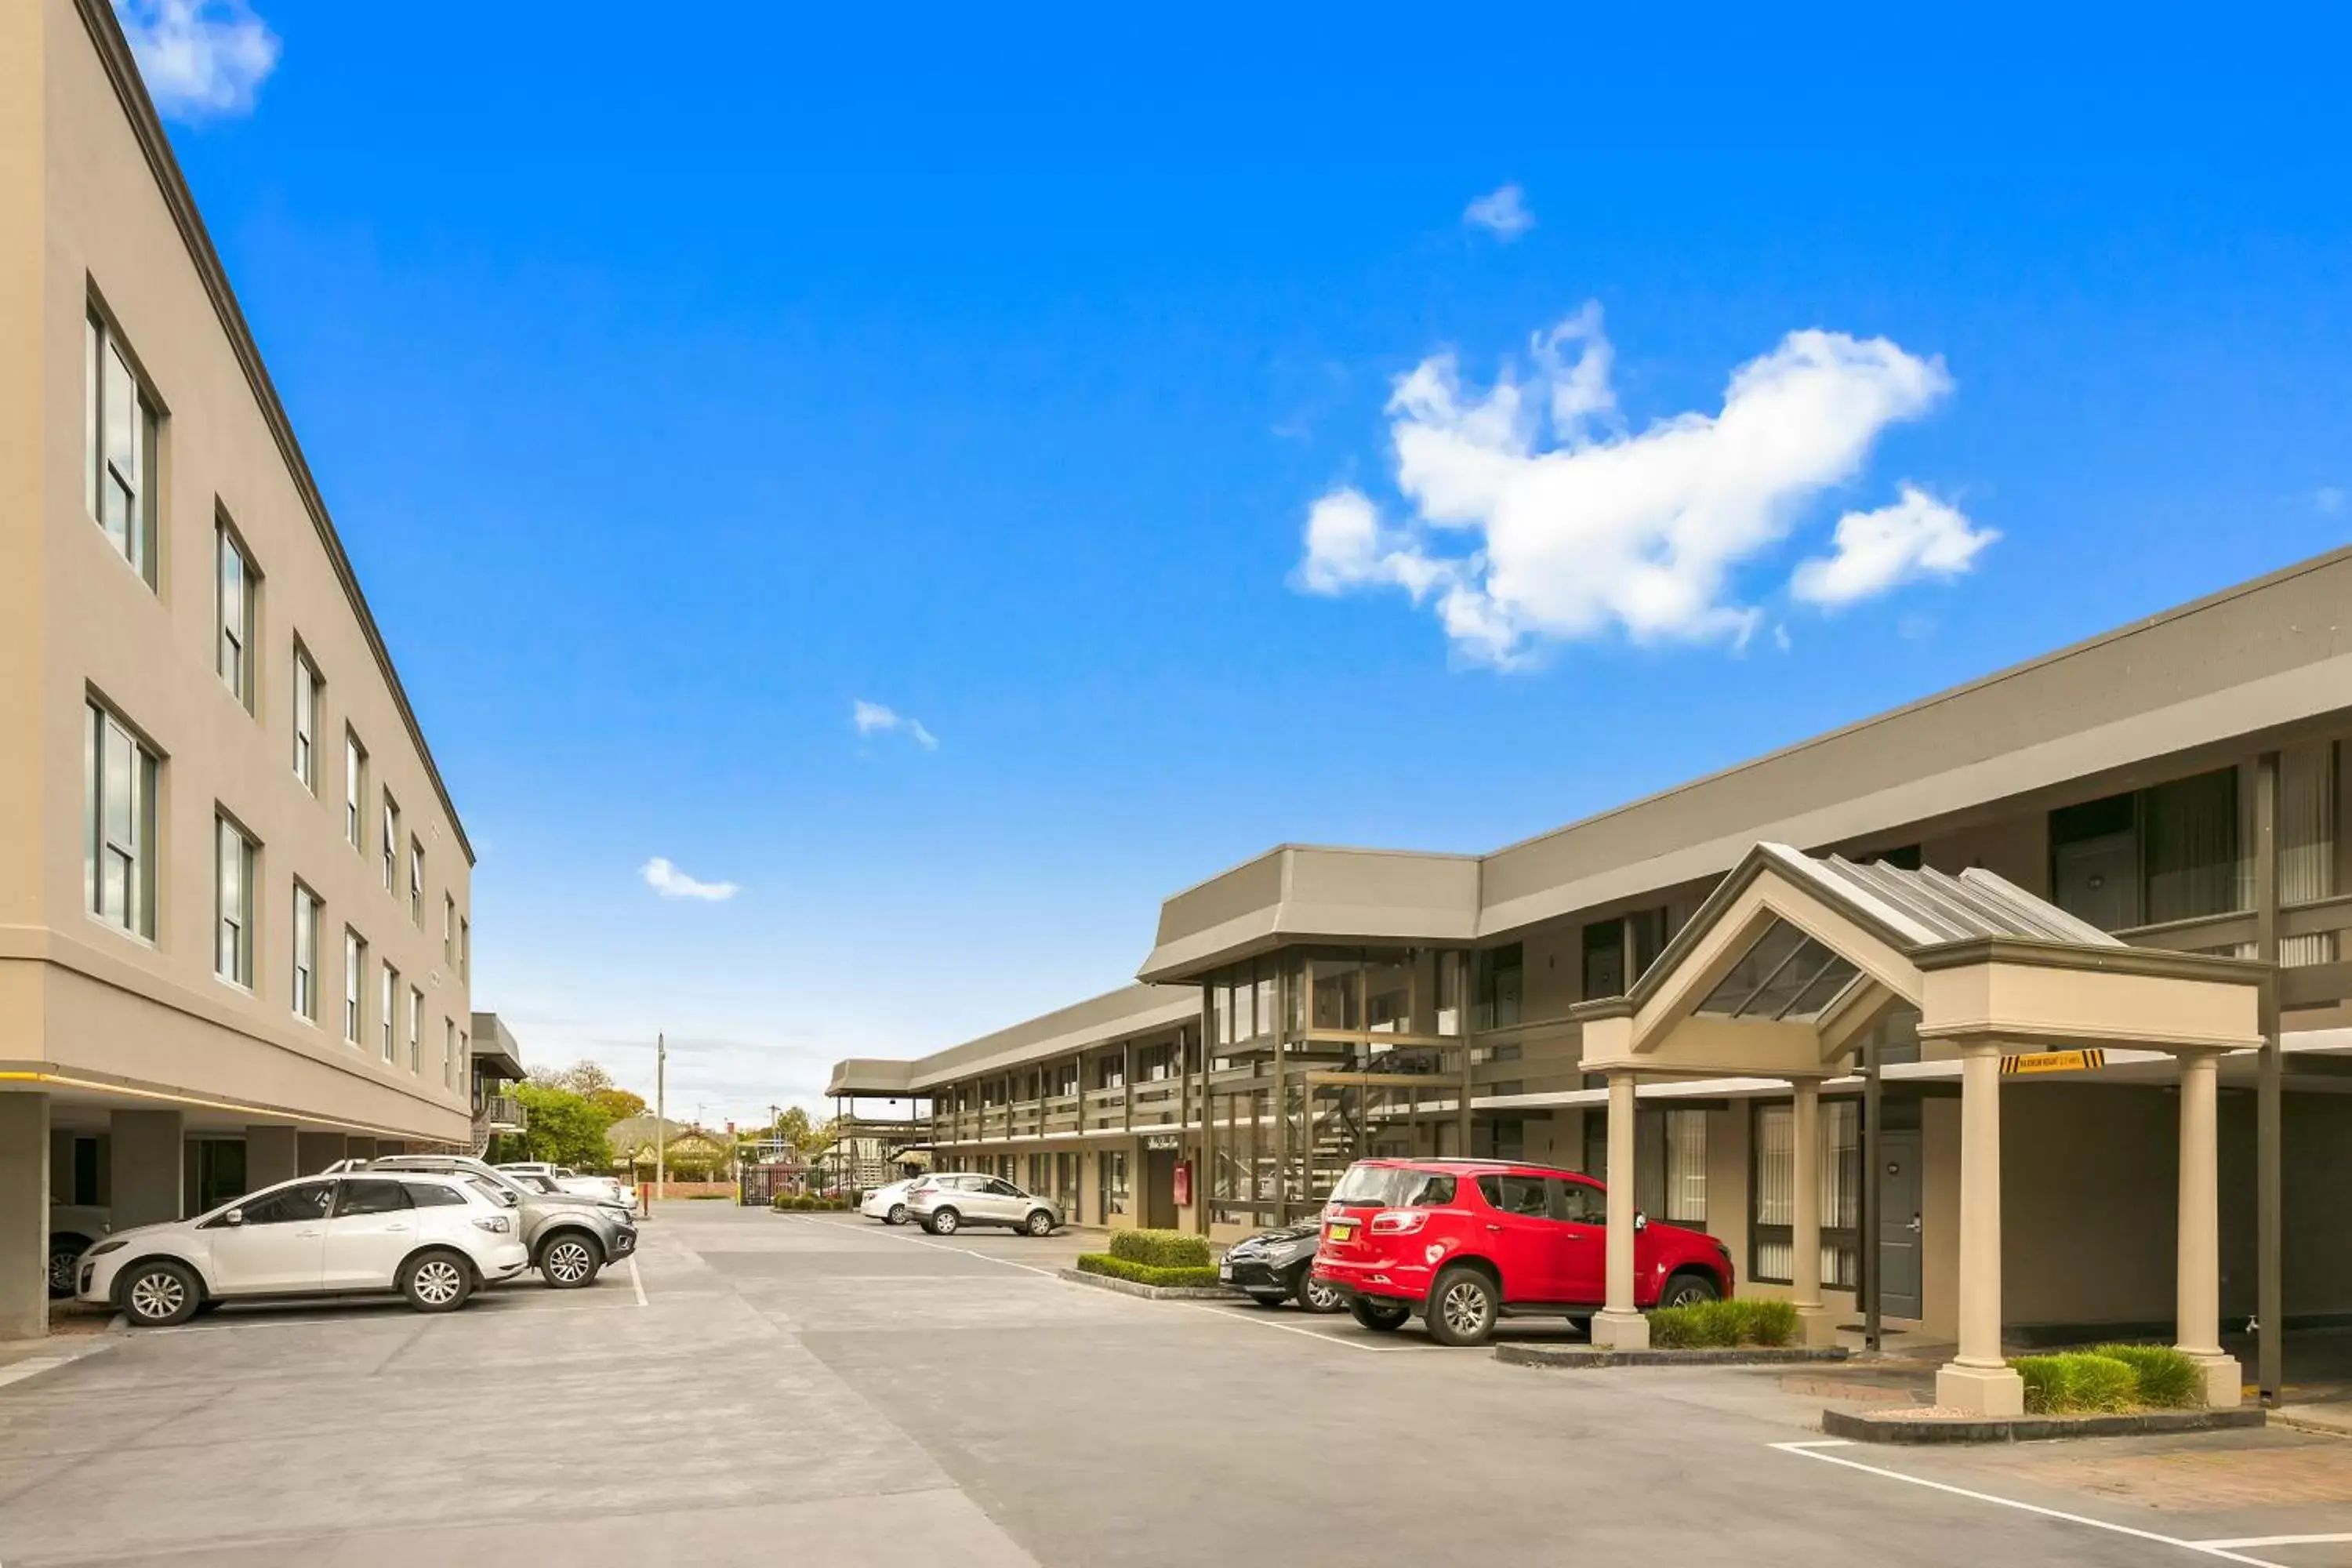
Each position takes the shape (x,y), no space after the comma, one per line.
(1299,893)
(492,1045)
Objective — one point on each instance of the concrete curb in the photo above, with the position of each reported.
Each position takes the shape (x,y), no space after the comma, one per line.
(2335,1420)
(1862,1427)
(1153,1292)
(1585,1357)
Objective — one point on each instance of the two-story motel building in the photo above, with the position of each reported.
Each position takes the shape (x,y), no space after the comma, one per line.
(2178,783)
(234,897)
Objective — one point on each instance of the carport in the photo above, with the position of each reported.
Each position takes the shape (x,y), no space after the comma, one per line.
(1791,961)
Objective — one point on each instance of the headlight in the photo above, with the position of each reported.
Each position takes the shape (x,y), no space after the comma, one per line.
(498,1223)
(106,1246)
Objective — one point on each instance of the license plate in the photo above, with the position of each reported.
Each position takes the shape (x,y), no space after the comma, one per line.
(1343,1230)
(1225,1270)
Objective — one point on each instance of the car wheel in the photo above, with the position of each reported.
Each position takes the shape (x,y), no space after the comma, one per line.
(570,1261)
(62,1262)
(1688,1289)
(1263,1300)
(897,1215)
(1314,1296)
(436,1281)
(1040,1223)
(1380,1317)
(943,1221)
(159,1293)
(1462,1305)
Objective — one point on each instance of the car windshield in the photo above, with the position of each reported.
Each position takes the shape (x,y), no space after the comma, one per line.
(1392,1187)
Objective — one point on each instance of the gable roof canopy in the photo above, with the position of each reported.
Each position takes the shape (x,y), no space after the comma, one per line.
(1793,957)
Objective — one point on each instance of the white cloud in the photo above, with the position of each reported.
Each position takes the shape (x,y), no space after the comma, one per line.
(672,883)
(874,718)
(2328,499)
(1570,527)
(1501,212)
(199,58)
(1918,536)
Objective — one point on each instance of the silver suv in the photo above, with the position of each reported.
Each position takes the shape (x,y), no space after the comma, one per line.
(570,1236)
(946,1204)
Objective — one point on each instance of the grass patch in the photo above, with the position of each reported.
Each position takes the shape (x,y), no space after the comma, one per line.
(2166,1379)
(1116,1268)
(1723,1325)
(2078,1382)
(1162,1249)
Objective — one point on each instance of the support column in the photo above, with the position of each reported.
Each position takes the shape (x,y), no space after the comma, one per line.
(2198,1312)
(1619,1325)
(314,1152)
(272,1154)
(146,1159)
(1814,1321)
(24,1215)
(1979,1380)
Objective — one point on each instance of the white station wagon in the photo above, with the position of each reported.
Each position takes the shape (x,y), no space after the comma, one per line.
(433,1238)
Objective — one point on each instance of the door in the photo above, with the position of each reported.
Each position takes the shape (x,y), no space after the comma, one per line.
(279,1242)
(999,1201)
(374,1227)
(1900,1230)
(1581,1209)
(2097,879)
(1525,1241)
(1159,1188)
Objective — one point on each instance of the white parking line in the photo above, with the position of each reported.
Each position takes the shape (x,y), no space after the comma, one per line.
(32,1368)
(637,1281)
(1812,1450)
(2280,1541)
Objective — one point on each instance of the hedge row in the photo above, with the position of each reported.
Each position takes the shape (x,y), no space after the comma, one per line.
(794,1201)
(1161,1249)
(2109,1379)
(1118,1267)
(1723,1324)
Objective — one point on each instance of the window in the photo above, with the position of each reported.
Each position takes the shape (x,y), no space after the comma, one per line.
(465,949)
(1771,1233)
(118,824)
(234,599)
(416,1023)
(448,1053)
(391,1012)
(432,1195)
(354,791)
(1499,983)
(354,982)
(1397,1187)
(119,425)
(290,1205)
(306,953)
(391,842)
(1114,1182)
(371,1197)
(2169,853)
(449,930)
(1514,1194)
(1579,1202)
(233,856)
(416,884)
(306,722)
(1499,1138)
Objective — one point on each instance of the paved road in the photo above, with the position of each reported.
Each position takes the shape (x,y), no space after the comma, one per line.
(804,1388)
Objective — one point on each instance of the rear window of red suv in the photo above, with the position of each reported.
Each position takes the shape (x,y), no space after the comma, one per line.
(1393,1187)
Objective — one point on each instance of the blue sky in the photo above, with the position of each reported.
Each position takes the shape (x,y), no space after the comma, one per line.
(987,370)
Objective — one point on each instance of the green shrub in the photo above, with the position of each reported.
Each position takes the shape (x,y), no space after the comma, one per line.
(2166,1377)
(1118,1267)
(2077,1383)
(1161,1248)
(1720,1325)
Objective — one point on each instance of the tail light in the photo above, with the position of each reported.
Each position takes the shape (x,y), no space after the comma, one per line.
(1399,1222)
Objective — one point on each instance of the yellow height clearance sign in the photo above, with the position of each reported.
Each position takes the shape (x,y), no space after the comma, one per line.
(2053,1061)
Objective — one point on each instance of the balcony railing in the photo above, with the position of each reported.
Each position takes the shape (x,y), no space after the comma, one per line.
(503,1113)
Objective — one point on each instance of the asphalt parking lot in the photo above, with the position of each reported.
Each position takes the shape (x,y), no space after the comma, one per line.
(773,1388)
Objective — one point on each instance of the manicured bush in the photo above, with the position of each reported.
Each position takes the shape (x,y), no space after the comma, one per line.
(2166,1377)
(2077,1383)
(1117,1267)
(1720,1325)
(1162,1248)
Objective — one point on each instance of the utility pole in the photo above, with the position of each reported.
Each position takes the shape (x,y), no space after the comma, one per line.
(661,1122)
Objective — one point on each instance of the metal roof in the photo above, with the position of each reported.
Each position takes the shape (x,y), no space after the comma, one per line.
(1928,907)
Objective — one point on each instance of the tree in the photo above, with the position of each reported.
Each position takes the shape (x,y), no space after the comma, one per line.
(792,1129)
(618,1104)
(566,1129)
(583,1078)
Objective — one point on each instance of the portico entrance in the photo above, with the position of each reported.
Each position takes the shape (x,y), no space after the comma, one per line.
(1793,958)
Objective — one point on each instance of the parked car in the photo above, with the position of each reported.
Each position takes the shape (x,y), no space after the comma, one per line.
(564,1179)
(570,1236)
(74,1228)
(946,1204)
(1463,1243)
(433,1238)
(888,1204)
(1279,1265)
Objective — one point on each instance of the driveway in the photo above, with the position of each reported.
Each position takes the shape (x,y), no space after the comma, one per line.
(815,1388)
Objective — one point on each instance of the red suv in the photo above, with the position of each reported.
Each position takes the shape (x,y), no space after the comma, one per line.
(1463,1242)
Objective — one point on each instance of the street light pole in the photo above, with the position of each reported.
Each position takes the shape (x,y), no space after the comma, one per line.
(661,1122)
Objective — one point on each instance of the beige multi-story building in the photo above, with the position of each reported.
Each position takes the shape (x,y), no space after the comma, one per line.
(235,913)
(2178,783)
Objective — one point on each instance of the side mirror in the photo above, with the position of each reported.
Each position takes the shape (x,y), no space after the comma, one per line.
(233,1216)
(510,1198)
(1641,1221)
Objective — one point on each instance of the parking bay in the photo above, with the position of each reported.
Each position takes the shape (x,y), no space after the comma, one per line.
(878,1396)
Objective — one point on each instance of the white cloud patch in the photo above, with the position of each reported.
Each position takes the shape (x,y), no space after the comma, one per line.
(672,883)
(1918,536)
(1501,212)
(1534,515)
(199,59)
(874,718)
(2328,499)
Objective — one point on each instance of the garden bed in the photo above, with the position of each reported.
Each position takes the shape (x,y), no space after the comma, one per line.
(1212,1292)
(1587,1357)
(1931,1424)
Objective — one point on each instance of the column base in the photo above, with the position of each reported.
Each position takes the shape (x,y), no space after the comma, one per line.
(1980,1390)
(2224,1383)
(1816,1327)
(1621,1330)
